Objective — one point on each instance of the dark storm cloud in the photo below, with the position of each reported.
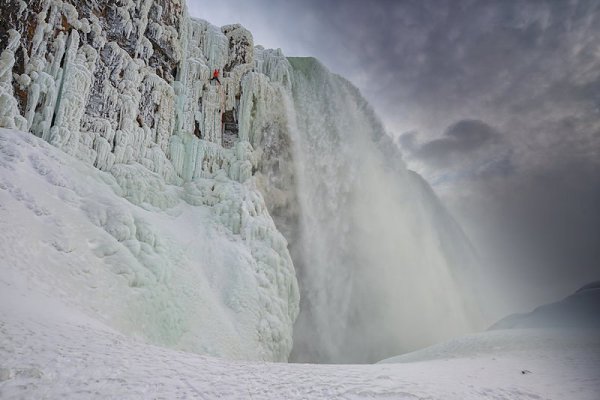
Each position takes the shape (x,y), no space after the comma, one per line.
(524,178)
(468,150)
(460,139)
(435,58)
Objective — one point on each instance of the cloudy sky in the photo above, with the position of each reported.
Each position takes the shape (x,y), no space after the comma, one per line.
(495,103)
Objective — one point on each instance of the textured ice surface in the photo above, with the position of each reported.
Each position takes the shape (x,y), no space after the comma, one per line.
(199,267)
(124,87)
(114,83)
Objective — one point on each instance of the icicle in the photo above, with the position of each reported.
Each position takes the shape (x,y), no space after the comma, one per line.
(74,91)
(215,47)
(9,110)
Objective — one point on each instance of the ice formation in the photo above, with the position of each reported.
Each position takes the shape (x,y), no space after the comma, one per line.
(147,258)
(278,150)
(124,87)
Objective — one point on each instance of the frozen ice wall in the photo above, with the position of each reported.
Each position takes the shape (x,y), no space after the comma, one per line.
(379,260)
(125,87)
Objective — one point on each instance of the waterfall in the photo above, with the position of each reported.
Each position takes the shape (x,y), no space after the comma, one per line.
(377,258)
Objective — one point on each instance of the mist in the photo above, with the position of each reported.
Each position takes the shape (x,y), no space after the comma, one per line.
(381,265)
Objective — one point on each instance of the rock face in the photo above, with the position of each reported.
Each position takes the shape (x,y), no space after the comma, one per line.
(124,86)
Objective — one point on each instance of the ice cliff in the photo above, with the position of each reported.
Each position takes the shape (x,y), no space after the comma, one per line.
(124,87)
(281,154)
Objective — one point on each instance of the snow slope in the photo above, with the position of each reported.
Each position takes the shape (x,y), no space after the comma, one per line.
(49,349)
(149,259)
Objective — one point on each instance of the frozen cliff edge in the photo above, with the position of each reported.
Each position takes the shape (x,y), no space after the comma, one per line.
(124,87)
(280,153)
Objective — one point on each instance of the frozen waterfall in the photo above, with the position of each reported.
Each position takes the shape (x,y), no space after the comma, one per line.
(378,259)
(283,173)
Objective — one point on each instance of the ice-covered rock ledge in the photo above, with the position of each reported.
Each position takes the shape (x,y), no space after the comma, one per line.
(121,82)
(124,87)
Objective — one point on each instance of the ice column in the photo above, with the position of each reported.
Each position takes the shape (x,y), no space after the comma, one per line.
(9,110)
(75,88)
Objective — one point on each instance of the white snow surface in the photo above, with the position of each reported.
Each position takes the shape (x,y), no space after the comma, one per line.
(51,348)
(579,310)
(159,262)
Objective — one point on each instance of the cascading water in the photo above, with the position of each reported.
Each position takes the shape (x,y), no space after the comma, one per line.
(377,255)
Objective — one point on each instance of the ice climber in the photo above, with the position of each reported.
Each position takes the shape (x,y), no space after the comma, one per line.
(215,76)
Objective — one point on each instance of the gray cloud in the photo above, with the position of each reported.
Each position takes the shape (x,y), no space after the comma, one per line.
(469,149)
(460,139)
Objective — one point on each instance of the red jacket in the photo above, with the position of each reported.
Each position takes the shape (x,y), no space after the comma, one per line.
(216,73)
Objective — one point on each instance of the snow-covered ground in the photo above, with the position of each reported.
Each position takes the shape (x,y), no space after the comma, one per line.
(51,350)
(581,310)
(98,272)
